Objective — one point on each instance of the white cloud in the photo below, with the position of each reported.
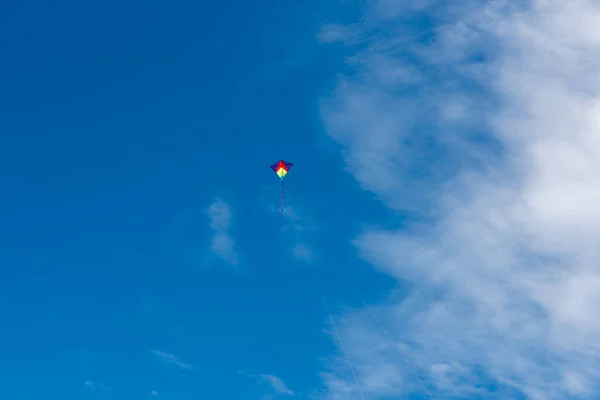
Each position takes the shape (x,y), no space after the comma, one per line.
(505,283)
(170,358)
(154,393)
(278,386)
(222,242)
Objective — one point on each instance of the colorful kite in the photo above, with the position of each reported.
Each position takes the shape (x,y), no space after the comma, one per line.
(281,168)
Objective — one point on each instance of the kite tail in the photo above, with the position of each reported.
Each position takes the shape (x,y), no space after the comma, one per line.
(282,200)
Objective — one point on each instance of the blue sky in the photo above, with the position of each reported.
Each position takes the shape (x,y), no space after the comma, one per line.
(142,254)
(121,123)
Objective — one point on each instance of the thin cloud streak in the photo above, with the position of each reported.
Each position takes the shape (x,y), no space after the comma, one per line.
(170,359)
(94,386)
(277,385)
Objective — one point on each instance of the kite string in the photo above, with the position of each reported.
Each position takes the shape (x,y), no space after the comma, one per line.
(385,331)
(326,306)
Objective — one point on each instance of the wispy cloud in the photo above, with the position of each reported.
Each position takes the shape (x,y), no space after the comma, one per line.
(491,129)
(302,252)
(154,393)
(332,33)
(95,385)
(278,386)
(222,243)
(170,359)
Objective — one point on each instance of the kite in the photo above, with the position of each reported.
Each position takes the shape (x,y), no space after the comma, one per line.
(281,168)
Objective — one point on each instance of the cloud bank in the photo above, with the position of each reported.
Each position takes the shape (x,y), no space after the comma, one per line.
(486,122)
